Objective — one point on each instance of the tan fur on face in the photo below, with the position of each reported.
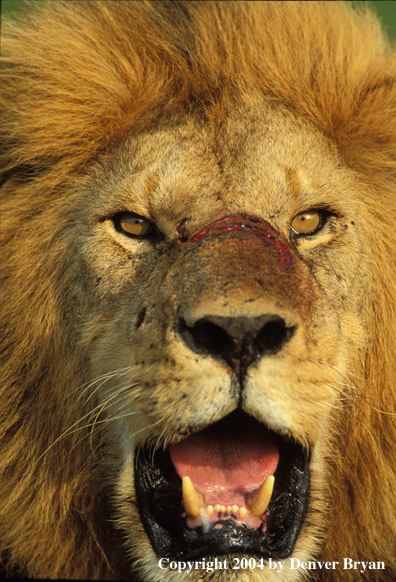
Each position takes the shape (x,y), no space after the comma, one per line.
(187,113)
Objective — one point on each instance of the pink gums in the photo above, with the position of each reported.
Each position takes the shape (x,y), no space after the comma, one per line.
(243,223)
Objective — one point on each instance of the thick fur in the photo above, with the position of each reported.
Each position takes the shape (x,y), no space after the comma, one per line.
(191,110)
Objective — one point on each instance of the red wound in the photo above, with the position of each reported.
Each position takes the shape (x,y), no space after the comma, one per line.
(259,227)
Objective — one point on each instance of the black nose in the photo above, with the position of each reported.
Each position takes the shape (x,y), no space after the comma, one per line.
(239,341)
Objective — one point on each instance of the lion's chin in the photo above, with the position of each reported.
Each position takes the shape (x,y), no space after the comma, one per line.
(221,508)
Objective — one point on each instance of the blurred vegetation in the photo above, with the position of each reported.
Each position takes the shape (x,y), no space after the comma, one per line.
(387,13)
(385,10)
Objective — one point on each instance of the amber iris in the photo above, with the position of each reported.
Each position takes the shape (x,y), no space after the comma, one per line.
(134,224)
(307,222)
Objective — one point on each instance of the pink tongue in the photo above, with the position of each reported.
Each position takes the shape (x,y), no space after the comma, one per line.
(238,461)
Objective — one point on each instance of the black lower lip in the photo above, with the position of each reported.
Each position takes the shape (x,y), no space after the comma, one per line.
(159,497)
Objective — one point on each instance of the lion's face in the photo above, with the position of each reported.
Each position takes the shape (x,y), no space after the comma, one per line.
(198,291)
(220,329)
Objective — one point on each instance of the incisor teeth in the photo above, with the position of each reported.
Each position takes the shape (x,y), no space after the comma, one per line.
(210,509)
(193,501)
(258,500)
(242,511)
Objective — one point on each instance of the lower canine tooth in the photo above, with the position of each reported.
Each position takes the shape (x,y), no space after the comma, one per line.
(193,501)
(258,500)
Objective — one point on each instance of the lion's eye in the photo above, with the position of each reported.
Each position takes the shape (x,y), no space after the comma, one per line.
(132,224)
(307,222)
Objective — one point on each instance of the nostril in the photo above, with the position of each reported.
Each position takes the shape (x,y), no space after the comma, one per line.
(207,337)
(239,341)
(272,337)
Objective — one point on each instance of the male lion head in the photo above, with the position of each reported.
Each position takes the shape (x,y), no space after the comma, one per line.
(199,292)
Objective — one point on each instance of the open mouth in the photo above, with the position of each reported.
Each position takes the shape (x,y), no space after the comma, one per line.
(233,487)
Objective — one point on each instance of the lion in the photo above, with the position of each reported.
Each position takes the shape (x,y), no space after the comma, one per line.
(198,292)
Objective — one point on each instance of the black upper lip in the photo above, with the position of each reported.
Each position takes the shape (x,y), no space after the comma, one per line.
(159,497)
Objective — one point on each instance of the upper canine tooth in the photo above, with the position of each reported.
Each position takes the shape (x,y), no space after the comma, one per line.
(258,500)
(193,501)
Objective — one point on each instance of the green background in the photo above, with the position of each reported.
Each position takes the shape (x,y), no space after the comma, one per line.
(385,10)
(387,13)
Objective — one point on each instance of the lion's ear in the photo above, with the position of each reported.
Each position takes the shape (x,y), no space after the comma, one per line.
(18,174)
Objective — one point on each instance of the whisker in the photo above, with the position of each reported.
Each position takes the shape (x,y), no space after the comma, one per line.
(105,404)
(69,431)
(109,377)
(90,383)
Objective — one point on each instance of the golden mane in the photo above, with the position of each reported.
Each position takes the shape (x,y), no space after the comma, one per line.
(116,69)
(77,78)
